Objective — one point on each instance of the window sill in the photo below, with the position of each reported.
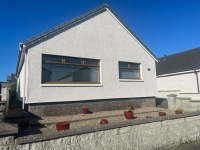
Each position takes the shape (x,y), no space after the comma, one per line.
(71,85)
(130,80)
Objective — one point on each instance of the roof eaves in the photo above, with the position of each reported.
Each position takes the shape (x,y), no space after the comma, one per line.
(18,59)
(178,72)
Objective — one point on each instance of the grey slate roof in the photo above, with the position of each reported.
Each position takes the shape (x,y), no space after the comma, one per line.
(183,61)
(45,35)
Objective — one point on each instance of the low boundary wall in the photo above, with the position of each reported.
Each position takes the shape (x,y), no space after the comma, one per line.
(143,134)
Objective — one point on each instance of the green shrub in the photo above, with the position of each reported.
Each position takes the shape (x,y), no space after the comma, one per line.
(179,110)
(13,90)
(129,108)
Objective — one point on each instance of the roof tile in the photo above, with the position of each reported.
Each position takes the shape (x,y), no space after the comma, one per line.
(179,62)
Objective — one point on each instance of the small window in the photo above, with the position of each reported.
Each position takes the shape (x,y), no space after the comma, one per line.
(70,70)
(72,60)
(49,58)
(91,62)
(129,70)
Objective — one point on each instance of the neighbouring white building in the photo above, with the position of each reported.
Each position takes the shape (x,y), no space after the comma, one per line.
(91,61)
(179,74)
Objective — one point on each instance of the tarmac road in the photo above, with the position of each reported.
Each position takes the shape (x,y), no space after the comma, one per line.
(188,146)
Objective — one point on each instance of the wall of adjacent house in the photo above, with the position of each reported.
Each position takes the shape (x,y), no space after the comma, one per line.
(100,37)
(183,83)
(198,73)
(20,85)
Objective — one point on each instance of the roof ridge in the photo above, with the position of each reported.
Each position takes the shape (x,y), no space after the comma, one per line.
(180,52)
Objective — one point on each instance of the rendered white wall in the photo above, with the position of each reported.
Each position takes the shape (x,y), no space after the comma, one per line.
(198,73)
(20,85)
(100,37)
(185,83)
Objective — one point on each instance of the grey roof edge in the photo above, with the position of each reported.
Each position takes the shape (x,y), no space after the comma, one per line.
(18,60)
(71,22)
(178,52)
(179,72)
(183,70)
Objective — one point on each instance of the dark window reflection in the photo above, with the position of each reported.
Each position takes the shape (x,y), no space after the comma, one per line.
(62,73)
(52,58)
(128,74)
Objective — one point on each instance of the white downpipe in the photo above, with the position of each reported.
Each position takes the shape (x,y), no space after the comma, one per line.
(24,91)
(24,50)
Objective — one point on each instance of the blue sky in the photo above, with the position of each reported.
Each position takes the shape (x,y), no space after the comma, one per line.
(165,26)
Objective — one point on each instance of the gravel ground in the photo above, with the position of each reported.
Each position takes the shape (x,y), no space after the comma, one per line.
(102,114)
(47,124)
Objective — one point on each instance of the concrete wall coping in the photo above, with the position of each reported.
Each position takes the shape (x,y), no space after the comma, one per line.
(169,91)
(6,84)
(184,98)
(8,128)
(172,95)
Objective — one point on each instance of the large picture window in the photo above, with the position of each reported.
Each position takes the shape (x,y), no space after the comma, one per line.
(70,70)
(129,70)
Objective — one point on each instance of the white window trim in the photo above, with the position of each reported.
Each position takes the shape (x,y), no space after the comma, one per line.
(71,85)
(132,80)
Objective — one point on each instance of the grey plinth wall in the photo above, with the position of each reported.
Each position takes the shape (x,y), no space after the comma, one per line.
(71,108)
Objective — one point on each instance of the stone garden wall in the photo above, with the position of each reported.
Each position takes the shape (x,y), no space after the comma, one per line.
(143,134)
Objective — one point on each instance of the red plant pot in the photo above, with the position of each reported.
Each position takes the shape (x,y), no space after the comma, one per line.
(162,114)
(62,126)
(149,116)
(104,121)
(178,112)
(128,115)
(85,110)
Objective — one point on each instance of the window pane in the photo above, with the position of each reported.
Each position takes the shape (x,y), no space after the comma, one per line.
(54,73)
(52,58)
(85,74)
(73,60)
(135,66)
(61,73)
(90,62)
(125,73)
(123,65)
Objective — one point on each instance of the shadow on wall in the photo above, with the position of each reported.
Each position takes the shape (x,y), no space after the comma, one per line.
(19,96)
(161,102)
